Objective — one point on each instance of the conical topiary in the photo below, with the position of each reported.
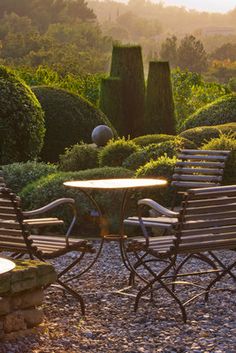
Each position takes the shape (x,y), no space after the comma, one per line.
(127,64)
(159,109)
(110,102)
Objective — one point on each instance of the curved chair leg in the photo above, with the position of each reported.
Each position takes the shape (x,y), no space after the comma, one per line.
(75,294)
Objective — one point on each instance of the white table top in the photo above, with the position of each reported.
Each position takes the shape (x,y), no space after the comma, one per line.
(127,183)
(6,265)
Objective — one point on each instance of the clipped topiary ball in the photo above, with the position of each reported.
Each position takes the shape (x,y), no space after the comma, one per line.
(101,134)
(69,119)
(21,120)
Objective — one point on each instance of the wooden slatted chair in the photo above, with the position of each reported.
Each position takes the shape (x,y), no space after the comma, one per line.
(206,226)
(16,238)
(194,169)
(30,216)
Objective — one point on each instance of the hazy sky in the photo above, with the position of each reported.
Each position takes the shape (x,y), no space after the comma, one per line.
(203,5)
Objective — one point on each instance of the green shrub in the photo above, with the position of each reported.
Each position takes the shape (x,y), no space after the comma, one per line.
(69,119)
(79,157)
(155,150)
(163,167)
(136,159)
(202,134)
(21,120)
(221,111)
(158,138)
(18,175)
(152,138)
(51,187)
(225,142)
(116,151)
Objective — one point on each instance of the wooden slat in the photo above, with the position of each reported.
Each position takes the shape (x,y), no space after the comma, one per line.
(202,157)
(211,230)
(208,237)
(207,223)
(187,177)
(200,164)
(9,224)
(11,232)
(207,152)
(8,210)
(189,184)
(211,171)
(211,216)
(205,202)
(11,239)
(210,209)
(7,216)
(5,202)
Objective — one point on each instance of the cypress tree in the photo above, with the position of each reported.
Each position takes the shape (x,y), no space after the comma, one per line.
(110,102)
(127,64)
(159,109)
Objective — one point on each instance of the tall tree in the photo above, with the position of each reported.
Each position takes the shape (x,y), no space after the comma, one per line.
(191,54)
(168,51)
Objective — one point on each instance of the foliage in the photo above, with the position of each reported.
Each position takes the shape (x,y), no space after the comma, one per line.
(163,167)
(221,111)
(116,151)
(21,120)
(79,157)
(225,142)
(191,93)
(18,175)
(152,138)
(86,86)
(66,44)
(170,148)
(222,70)
(168,51)
(202,134)
(69,119)
(191,54)
(51,187)
(159,109)
(127,64)
(226,51)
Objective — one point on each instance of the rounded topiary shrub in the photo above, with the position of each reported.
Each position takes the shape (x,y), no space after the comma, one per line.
(201,134)
(69,119)
(163,167)
(116,151)
(79,157)
(225,142)
(152,138)
(51,187)
(21,120)
(18,175)
(136,159)
(221,111)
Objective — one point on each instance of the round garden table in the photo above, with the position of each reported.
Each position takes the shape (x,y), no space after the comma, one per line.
(6,265)
(127,186)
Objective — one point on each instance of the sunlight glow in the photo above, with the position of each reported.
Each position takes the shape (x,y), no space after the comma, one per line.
(203,5)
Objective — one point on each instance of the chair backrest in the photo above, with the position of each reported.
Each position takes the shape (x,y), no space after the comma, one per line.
(199,168)
(207,219)
(13,235)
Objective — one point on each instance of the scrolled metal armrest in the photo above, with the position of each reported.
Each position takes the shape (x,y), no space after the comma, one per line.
(54,204)
(49,206)
(157,207)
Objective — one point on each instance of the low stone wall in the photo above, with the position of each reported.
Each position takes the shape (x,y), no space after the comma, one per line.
(21,293)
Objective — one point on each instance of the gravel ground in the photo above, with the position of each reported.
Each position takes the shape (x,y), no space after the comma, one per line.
(111,326)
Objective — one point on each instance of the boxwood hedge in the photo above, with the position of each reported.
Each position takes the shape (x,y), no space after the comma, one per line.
(21,120)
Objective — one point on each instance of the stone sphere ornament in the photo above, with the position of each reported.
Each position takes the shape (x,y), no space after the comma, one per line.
(101,134)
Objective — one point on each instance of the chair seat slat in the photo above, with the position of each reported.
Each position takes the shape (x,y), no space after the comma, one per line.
(200,178)
(211,171)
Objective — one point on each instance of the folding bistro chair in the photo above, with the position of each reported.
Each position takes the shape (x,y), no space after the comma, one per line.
(16,238)
(206,225)
(194,169)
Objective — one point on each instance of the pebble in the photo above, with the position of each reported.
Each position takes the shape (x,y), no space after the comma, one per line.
(111,325)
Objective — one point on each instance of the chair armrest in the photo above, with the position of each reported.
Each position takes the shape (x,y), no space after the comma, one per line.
(157,207)
(48,207)
(52,205)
